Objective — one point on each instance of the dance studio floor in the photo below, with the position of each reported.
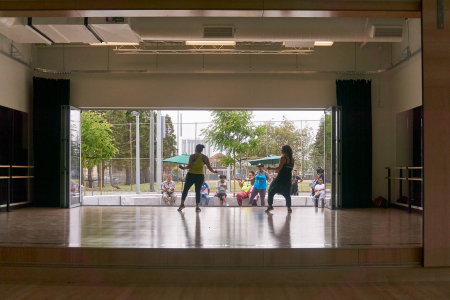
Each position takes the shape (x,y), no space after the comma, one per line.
(214,227)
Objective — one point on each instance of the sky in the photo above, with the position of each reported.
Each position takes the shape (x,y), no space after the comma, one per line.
(202,117)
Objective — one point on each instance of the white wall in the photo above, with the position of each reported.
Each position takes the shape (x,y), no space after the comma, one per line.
(400,90)
(16,79)
(236,82)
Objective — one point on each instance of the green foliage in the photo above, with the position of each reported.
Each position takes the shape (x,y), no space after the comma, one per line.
(319,144)
(96,135)
(234,133)
(124,135)
(287,133)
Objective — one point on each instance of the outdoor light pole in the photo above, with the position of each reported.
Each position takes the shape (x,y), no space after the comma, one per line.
(152,151)
(158,152)
(138,168)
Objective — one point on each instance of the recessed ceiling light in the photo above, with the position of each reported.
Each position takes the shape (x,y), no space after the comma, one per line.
(324,43)
(220,43)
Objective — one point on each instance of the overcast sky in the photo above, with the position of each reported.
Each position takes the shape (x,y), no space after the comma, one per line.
(202,117)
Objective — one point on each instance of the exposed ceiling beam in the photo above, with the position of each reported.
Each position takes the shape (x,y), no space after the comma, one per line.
(207,8)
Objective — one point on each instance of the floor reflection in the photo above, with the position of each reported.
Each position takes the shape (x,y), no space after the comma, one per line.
(214,227)
(283,236)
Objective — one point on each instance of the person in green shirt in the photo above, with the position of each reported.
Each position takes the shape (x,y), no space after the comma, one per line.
(246,187)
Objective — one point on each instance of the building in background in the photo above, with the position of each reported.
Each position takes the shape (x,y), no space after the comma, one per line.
(188,146)
(213,160)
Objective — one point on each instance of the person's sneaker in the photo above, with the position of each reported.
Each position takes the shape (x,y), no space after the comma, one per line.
(181,207)
(228,204)
(289,210)
(269,208)
(198,209)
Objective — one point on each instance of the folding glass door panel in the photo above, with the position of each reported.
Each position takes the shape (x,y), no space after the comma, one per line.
(70,156)
(332,136)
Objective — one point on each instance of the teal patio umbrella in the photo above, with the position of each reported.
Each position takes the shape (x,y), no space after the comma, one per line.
(182,159)
(269,160)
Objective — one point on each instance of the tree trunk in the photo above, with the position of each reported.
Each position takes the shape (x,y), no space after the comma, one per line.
(240,165)
(103,172)
(90,178)
(98,175)
(127,176)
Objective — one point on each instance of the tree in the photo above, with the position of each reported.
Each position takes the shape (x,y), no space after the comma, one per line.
(287,133)
(234,133)
(125,140)
(318,152)
(97,144)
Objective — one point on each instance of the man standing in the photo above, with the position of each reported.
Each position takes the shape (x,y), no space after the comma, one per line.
(168,190)
(295,180)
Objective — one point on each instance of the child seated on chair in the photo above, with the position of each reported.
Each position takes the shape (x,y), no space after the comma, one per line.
(221,186)
(204,193)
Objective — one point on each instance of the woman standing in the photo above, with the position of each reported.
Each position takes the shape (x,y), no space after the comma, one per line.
(195,175)
(282,183)
(260,186)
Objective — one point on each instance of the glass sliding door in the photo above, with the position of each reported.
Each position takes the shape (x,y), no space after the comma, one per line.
(332,136)
(70,156)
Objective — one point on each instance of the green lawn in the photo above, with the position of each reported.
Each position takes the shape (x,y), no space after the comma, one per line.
(145,187)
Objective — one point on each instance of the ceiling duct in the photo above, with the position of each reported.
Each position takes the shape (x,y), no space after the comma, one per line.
(379,31)
(265,29)
(114,31)
(65,30)
(218,32)
(18,30)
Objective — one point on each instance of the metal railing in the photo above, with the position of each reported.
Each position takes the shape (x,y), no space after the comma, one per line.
(408,178)
(10,177)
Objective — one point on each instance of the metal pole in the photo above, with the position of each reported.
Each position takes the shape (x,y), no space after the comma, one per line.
(401,184)
(301,166)
(152,151)
(409,191)
(158,152)
(10,185)
(101,173)
(85,170)
(138,156)
(131,163)
(138,160)
(178,139)
(267,141)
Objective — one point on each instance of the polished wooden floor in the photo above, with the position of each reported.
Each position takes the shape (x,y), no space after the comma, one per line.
(322,291)
(165,227)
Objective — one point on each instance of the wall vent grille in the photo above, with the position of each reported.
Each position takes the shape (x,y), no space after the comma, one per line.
(386,31)
(218,32)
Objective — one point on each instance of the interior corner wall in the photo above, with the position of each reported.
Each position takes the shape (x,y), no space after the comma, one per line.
(16,84)
(399,90)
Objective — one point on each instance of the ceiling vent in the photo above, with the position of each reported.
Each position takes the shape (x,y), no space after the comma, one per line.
(218,32)
(386,31)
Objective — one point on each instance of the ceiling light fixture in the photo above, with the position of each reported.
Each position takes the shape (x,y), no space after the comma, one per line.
(324,43)
(219,43)
(114,44)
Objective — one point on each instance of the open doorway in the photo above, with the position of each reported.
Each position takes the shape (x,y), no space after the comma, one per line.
(103,144)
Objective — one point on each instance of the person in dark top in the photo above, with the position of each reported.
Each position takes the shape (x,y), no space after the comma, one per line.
(282,183)
(295,180)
